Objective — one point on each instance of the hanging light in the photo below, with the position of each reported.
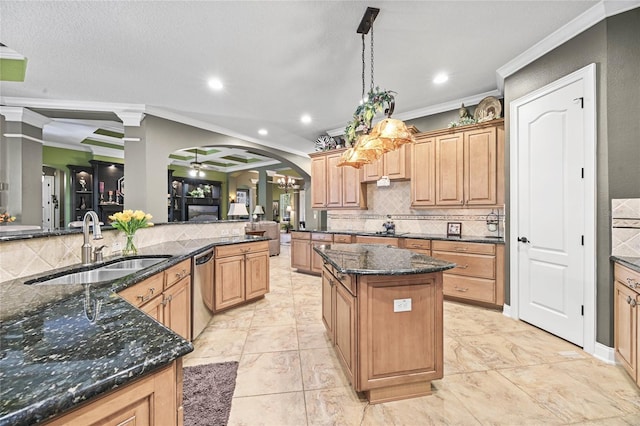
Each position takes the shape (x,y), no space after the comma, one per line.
(196,167)
(286,183)
(387,135)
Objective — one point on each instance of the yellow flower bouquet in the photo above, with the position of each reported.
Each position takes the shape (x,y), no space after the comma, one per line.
(6,218)
(129,222)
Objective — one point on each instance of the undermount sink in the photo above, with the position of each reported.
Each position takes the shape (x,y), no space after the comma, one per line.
(106,272)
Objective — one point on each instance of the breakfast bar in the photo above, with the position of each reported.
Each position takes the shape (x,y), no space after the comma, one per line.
(382,308)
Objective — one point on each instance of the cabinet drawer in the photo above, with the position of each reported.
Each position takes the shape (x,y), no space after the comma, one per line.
(177,272)
(474,265)
(461,247)
(363,239)
(627,276)
(322,237)
(144,291)
(295,235)
(469,288)
(341,238)
(413,243)
(347,281)
(241,248)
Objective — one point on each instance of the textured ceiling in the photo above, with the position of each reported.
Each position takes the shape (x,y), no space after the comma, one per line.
(277,60)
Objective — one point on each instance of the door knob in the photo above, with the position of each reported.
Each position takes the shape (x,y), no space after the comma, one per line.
(523,239)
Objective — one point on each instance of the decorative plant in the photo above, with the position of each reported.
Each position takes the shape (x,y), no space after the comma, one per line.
(6,218)
(197,193)
(462,122)
(362,117)
(129,222)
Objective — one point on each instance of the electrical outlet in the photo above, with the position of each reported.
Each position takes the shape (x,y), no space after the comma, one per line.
(225,232)
(116,246)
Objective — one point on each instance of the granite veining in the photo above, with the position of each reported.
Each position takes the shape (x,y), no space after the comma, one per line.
(419,236)
(63,344)
(378,259)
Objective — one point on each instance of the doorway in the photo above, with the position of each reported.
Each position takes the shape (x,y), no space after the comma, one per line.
(553,208)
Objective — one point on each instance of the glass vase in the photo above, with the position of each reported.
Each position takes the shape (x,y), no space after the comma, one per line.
(130,248)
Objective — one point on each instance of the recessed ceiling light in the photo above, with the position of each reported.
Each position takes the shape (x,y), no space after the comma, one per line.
(440,78)
(215,84)
(306,119)
(263,132)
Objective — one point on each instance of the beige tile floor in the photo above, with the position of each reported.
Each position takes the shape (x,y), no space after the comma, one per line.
(498,371)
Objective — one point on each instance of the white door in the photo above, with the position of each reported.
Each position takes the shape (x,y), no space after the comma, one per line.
(551,211)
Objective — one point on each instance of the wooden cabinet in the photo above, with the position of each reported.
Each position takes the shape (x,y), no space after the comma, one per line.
(151,400)
(241,273)
(418,245)
(108,188)
(423,172)
(462,167)
(365,239)
(626,319)
(479,274)
(166,297)
(396,165)
(303,257)
(387,352)
(184,205)
(342,238)
(334,187)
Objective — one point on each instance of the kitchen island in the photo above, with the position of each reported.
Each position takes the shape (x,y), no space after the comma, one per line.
(382,308)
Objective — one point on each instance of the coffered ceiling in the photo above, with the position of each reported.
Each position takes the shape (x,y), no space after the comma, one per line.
(277,60)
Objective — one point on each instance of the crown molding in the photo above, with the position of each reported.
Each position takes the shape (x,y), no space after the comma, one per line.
(130,118)
(433,109)
(24,115)
(22,136)
(68,105)
(582,22)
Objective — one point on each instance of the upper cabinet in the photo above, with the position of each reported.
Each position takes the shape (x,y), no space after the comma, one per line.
(396,165)
(461,167)
(334,187)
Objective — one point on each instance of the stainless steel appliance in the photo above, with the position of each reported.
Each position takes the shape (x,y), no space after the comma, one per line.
(202,303)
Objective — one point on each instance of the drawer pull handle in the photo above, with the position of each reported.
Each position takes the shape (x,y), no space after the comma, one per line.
(461,249)
(462,266)
(461,289)
(181,275)
(167,300)
(342,277)
(147,296)
(633,303)
(629,299)
(632,282)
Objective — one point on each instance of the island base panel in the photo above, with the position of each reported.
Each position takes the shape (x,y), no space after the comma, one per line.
(398,392)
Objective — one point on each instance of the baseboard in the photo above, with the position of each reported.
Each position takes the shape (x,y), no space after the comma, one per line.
(604,353)
(506,310)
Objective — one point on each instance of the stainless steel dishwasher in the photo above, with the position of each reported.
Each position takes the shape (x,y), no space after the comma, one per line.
(202,303)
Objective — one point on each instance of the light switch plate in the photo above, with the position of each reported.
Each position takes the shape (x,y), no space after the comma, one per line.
(401,305)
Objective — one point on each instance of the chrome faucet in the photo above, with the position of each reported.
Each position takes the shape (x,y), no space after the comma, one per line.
(97,235)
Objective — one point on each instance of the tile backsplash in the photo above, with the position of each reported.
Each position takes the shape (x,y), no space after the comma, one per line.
(21,258)
(395,201)
(625,227)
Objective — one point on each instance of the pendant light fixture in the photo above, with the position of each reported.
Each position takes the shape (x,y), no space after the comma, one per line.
(196,167)
(387,135)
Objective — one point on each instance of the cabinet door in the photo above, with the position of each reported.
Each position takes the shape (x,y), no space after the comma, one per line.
(316,260)
(334,181)
(319,182)
(372,172)
(301,254)
(345,329)
(230,279)
(423,174)
(327,302)
(480,167)
(449,170)
(257,274)
(154,308)
(177,308)
(626,323)
(397,163)
(351,187)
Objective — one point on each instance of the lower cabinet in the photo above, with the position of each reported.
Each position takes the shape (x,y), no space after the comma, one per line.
(365,239)
(241,273)
(152,400)
(303,257)
(627,320)
(386,352)
(166,297)
(479,274)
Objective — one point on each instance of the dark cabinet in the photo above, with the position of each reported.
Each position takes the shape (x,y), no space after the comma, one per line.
(108,187)
(193,199)
(81,190)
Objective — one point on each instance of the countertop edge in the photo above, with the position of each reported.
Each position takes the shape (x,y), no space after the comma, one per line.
(630,262)
(417,236)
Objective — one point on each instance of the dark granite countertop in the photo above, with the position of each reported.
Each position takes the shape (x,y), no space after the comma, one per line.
(466,239)
(378,259)
(630,262)
(57,349)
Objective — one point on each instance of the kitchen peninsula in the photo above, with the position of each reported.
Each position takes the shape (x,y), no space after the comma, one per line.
(382,308)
